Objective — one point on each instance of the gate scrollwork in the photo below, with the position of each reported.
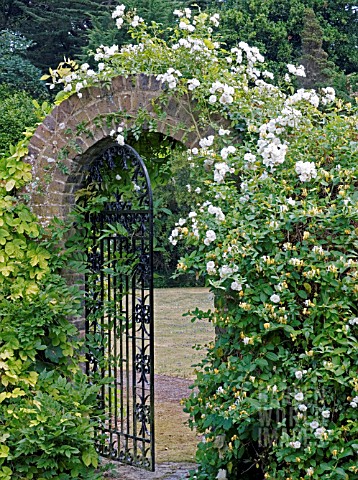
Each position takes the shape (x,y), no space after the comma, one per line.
(119,305)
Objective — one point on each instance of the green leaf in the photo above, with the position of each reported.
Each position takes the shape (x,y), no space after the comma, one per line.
(10,185)
(263,297)
(342,473)
(268,290)
(261,362)
(86,458)
(4,451)
(90,457)
(324,467)
(272,356)
(302,294)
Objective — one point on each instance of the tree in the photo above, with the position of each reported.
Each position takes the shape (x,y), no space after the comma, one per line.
(103,30)
(55,27)
(275,26)
(319,70)
(16,70)
(59,28)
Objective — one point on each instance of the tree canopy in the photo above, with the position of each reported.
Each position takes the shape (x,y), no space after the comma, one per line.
(103,30)
(66,28)
(59,28)
(16,71)
(55,27)
(275,26)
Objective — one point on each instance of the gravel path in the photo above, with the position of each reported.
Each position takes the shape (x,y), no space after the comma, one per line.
(168,391)
(164,471)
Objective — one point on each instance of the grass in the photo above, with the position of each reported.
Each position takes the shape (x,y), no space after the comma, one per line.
(175,335)
(175,356)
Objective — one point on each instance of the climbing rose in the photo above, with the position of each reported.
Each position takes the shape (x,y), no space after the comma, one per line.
(275,298)
(210,237)
(306,170)
(221,475)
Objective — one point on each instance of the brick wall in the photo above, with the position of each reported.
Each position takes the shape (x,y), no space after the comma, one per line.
(56,196)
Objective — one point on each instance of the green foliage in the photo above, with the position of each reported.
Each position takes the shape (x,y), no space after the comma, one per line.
(276,28)
(47,408)
(17,113)
(46,405)
(16,71)
(45,402)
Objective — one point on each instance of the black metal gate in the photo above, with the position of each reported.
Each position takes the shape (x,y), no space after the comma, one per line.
(119,305)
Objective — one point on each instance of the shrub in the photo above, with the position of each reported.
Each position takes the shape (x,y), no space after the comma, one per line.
(47,408)
(45,402)
(17,113)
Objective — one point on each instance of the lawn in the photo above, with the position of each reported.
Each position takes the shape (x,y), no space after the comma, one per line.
(175,356)
(175,335)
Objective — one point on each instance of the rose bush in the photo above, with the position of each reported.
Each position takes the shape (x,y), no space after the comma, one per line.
(274,229)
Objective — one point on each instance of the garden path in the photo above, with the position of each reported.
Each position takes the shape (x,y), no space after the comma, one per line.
(175,337)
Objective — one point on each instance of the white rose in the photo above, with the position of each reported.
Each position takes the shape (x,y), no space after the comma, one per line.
(299,396)
(275,298)
(221,475)
(210,236)
(236,286)
(120,139)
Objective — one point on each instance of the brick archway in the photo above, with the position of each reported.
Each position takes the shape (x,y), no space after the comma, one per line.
(61,129)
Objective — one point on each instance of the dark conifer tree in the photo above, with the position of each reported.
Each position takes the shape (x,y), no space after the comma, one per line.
(319,70)
(55,27)
(104,31)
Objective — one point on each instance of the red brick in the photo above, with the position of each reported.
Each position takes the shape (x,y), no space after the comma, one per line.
(70,105)
(125,102)
(140,99)
(119,84)
(50,123)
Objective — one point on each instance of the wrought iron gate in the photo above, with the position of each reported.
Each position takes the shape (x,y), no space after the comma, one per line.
(119,305)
